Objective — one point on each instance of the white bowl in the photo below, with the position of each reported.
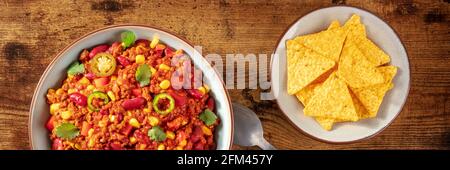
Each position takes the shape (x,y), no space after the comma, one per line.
(382,35)
(56,73)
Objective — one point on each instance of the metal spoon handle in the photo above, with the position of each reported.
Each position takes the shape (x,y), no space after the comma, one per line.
(263,144)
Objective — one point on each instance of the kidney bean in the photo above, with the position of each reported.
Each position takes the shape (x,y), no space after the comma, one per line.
(168,52)
(90,76)
(126,130)
(57,144)
(50,123)
(179,97)
(98,49)
(123,61)
(78,98)
(134,103)
(210,104)
(196,94)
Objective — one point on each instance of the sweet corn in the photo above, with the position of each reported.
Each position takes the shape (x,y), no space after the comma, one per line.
(135,123)
(54,108)
(178,52)
(133,140)
(142,146)
(59,91)
(152,70)
(161,147)
(102,123)
(179,148)
(147,110)
(129,113)
(112,118)
(164,84)
(206,131)
(90,132)
(170,135)
(90,87)
(202,90)
(70,91)
(164,67)
(84,81)
(153,120)
(206,88)
(155,41)
(113,78)
(66,114)
(140,59)
(111,96)
(91,142)
(182,143)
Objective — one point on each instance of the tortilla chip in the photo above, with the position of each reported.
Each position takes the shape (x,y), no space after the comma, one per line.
(334,24)
(304,66)
(355,69)
(325,123)
(371,51)
(327,43)
(354,28)
(371,97)
(306,93)
(332,100)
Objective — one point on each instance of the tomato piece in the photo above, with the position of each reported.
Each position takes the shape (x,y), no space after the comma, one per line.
(196,94)
(85,128)
(50,125)
(103,64)
(98,49)
(57,144)
(126,130)
(99,82)
(136,92)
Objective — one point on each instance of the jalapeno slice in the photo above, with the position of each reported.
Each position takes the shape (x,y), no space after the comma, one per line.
(103,64)
(160,97)
(97,95)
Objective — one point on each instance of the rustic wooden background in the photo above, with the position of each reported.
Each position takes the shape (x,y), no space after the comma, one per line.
(33,32)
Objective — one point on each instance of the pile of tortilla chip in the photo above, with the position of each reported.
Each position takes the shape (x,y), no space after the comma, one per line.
(338,74)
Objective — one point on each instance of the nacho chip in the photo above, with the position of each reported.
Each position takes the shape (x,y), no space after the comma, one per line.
(332,100)
(304,66)
(334,24)
(327,43)
(371,97)
(356,70)
(371,51)
(306,93)
(354,28)
(325,123)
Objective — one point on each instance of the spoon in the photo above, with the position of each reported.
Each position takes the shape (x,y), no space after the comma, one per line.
(248,130)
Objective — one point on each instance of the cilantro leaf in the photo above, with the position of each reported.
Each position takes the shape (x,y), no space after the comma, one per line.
(75,68)
(157,134)
(208,117)
(67,131)
(128,38)
(143,75)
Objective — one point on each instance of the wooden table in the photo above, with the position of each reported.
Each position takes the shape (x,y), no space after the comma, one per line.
(33,32)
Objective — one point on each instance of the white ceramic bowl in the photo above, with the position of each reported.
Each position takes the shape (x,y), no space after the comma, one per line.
(382,35)
(56,73)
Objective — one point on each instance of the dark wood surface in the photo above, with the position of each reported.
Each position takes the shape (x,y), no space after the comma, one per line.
(33,32)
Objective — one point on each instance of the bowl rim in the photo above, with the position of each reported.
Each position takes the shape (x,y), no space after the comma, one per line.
(69,46)
(356,140)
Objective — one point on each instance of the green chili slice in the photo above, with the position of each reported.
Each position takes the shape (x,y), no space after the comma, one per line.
(97,95)
(160,97)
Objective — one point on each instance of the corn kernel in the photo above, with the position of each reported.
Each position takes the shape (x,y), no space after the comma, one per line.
(66,114)
(206,131)
(84,81)
(59,91)
(170,135)
(133,140)
(206,88)
(54,108)
(182,143)
(184,122)
(153,120)
(140,59)
(129,113)
(111,96)
(142,146)
(178,52)
(135,123)
(165,84)
(147,110)
(179,148)
(155,41)
(70,91)
(90,132)
(152,70)
(202,90)
(91,142)
(90,87)
(161,147)
(101,123)
(112,118)
(164,67)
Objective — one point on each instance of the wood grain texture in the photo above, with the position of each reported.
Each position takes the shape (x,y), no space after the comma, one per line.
(33,32)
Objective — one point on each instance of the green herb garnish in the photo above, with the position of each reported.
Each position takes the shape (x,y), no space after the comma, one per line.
(157,134)
(67,131)
(143,75)
(208,117)
(75,68)
(128,38)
